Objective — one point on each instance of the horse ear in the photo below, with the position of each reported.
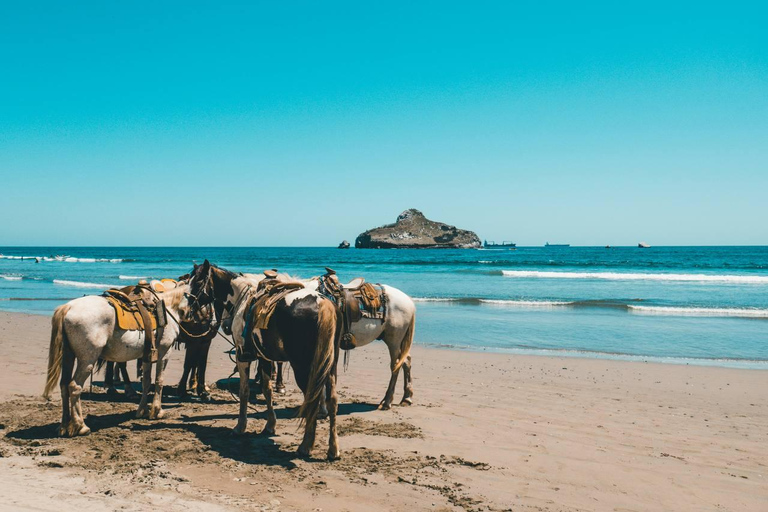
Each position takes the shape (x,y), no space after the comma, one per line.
(206,263)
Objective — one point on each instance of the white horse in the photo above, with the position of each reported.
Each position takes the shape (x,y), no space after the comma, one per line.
(85,330)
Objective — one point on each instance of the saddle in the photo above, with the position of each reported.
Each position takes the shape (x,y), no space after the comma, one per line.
(259,310)
(356,300)
(138,308)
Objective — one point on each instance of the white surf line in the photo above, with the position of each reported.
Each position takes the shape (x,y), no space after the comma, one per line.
(616,276)
(79,284)
(694,311)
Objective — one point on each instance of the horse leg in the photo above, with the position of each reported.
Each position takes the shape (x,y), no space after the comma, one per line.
(279,384)
(156,411)
(305,448)
(185,375)
(202,364)
(146,381)
(407,382)
(245,394)
(266,389)
(67,366)
(394,356)
(333,403)
(77,426)
(130,393)
(109,378)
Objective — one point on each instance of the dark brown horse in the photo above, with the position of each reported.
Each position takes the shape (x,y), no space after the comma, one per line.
(303,329)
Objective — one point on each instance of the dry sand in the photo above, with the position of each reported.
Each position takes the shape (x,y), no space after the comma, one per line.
(486,432)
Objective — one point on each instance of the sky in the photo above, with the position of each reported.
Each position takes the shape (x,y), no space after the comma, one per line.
(305,123)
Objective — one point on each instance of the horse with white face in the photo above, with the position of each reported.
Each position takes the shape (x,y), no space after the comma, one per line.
(85,330)
(302,329)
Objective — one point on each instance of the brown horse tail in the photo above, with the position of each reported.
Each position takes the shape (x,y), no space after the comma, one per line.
(405,345)
(56,349)
(322,363)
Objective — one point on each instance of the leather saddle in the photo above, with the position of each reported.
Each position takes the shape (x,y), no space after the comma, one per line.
(259,310)
(357,300)
(138,308)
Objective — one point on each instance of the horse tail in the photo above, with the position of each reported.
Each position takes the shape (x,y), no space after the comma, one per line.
(56,348)
(405,344)
(322,363)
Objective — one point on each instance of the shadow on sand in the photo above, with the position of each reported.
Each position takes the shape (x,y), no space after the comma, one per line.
(250,448)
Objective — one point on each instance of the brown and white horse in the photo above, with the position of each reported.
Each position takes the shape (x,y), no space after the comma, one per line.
(303,330)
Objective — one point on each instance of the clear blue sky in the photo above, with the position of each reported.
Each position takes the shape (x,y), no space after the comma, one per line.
(291,123)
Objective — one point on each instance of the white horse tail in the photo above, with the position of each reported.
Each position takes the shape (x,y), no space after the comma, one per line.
(322,363)
(56,349)
(405,345)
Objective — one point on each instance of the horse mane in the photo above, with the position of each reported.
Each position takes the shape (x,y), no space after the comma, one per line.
(226,272)
(172,297)
(282,277)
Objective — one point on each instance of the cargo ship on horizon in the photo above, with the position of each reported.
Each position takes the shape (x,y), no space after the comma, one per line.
(502,245)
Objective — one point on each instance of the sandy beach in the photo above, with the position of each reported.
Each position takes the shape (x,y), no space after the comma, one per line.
(486,432)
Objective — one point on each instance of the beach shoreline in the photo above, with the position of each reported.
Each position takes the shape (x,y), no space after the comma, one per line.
(488,431)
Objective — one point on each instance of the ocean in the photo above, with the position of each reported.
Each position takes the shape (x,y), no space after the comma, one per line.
(686,305)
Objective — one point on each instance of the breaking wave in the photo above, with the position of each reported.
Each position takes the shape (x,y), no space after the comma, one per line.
(619,276)
(693,311)
(66,259)
(132,278)
(79,284)
(476,301)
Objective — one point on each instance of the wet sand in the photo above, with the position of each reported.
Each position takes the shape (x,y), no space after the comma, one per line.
(486,432)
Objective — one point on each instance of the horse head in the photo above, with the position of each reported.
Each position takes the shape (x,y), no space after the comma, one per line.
(210,284)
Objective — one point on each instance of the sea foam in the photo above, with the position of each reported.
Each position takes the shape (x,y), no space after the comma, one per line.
(694,311)
(620,276)
(79,284)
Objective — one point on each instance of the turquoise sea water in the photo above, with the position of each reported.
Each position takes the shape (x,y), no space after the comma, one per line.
(695,305)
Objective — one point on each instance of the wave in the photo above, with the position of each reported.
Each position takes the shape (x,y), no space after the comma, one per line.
(620,304)
(10,278)
(132,278)
(79,284)
(695,311)
(619,276)
(497,302)
(66,259)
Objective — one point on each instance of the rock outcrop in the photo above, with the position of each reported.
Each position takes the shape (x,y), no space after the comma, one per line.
(413,230)
(344,245)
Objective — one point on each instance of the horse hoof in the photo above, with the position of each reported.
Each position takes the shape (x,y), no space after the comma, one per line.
(407,401)
(238,431)
(267,432)
(334,455)
(385,406)
(304,452)
(63,431)
(111,391)
(205,397)
(280,390)
(156,415)
(142,413)
(84,431)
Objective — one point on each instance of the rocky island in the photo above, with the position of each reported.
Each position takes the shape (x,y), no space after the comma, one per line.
(413,230)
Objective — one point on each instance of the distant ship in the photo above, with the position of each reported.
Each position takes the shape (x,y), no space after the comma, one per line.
(643,245)
(556,245)
(502,245)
